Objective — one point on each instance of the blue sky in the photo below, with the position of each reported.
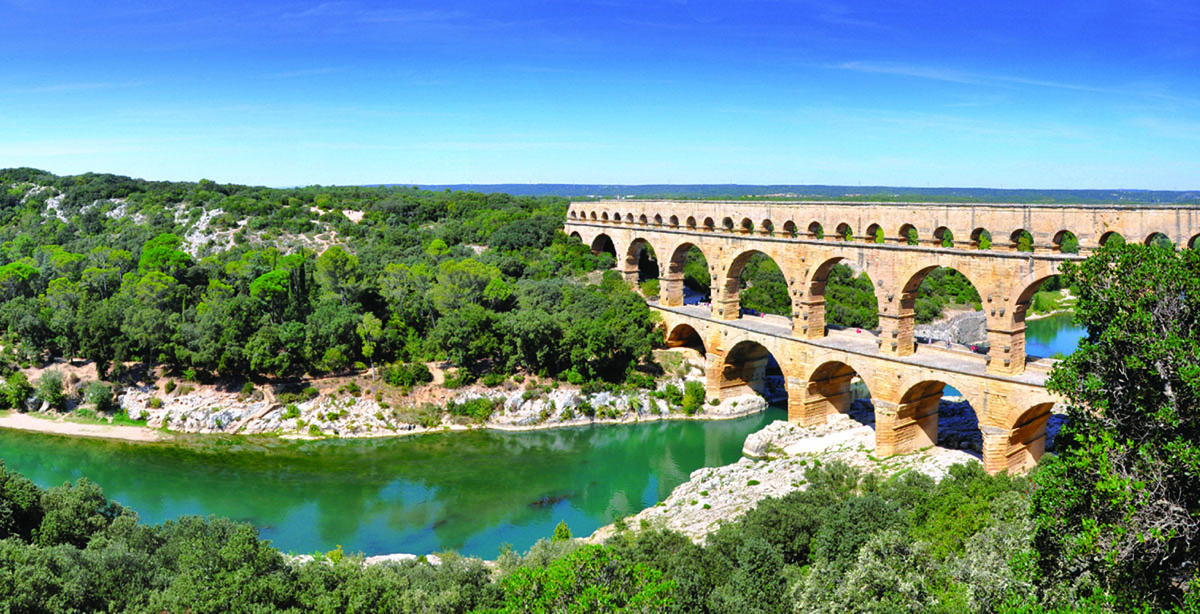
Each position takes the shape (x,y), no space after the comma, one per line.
(994,94)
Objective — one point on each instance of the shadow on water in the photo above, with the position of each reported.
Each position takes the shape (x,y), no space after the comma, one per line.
(468,491)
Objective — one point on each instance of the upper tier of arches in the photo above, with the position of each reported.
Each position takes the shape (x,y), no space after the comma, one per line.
(1064,229)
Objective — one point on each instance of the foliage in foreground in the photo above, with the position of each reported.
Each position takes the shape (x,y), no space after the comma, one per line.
(1119,508)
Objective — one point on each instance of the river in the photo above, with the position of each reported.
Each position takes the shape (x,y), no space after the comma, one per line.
(466,491)
(1053,335)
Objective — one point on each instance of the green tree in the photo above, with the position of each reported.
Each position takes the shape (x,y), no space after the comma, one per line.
(1120,500)
(337,273)
(17,390)
(589,580)
(50,389)
(369,331)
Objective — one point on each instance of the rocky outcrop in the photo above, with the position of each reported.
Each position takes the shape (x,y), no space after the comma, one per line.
(964,329)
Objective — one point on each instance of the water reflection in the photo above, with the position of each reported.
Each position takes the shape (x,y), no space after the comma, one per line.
(1053,335)
(466,491)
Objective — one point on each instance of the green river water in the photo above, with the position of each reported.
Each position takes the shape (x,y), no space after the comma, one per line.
(465,491)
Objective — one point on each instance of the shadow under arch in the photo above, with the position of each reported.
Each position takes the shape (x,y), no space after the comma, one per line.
(603,244)
(923,420)
(642,259)
(688,280)
(684,335)
(750,368)
(1027,438)
(836,387)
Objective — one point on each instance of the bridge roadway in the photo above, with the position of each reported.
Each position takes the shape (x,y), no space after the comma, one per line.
(1012,410)
(1006,250)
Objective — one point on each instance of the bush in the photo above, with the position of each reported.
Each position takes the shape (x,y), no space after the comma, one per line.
(493,379)
(99,395)
(50,389)
(693,397)
(478,410)
(17,390)
(248,388)
(155,402)
(673,395)
(169,387)
(291,411)
(407,375)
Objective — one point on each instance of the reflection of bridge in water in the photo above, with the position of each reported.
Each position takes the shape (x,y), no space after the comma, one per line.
(905,379)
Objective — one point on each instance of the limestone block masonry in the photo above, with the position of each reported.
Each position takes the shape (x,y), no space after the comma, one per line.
(905,379)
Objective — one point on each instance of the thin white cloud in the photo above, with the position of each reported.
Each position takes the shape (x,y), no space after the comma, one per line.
(949,75)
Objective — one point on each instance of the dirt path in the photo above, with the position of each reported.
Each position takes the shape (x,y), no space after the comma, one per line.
(25,422)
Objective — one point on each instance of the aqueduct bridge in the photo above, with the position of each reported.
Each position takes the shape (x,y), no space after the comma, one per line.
(805,239)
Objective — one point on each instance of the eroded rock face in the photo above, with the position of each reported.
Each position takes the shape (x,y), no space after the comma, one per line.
(964,329)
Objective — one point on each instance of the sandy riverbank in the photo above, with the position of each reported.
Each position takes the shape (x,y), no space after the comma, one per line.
(26,422)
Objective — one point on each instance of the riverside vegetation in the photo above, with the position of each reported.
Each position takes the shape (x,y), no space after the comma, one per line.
(1108,524)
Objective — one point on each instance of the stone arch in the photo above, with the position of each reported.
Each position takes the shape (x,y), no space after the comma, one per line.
(789,228)
(658,219)
(981,239)
(684,335)
(873,234)
(914,422)
(944,237)
(604,216)
(1018,238)
(593,216)
(828,391)
(727,224)
(604,244)
(673,221)
(813,315)
(709,225)
(1111,235)
(908,235)
(643,220)
(845,232)
(815,231)
(576,236)
(616,217)
(691,223)
(1025,443)
(1159,239)
(1065,242)
(746,226)
(748,367)
(1194,242)
(672,283)
(731,297)
(573,215)
(768,227)
(641,261)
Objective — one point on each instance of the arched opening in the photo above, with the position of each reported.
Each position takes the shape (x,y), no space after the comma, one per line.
(658,219)
(603,244)
(1160,240)
(1021,240)
(768,227)
(616,217)
(643,220)
(727,224)
(1112,237)
(673,221)
(836,388)
(944,236)
(845,232)
(684,336)
(759,285)
(849,300)
(1044,297)
(573,216)
(789,228)
(592,215)
(875,234)
(691,223)
(946,297)
(709,225)
(1027,439)
(1066,242)
(981,239)
(688,280)
(604,216)
(1193,242)
(908,235)
(815,231)
(930,413)
(747,226)
(750,369)
(575,236)
(642,260)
